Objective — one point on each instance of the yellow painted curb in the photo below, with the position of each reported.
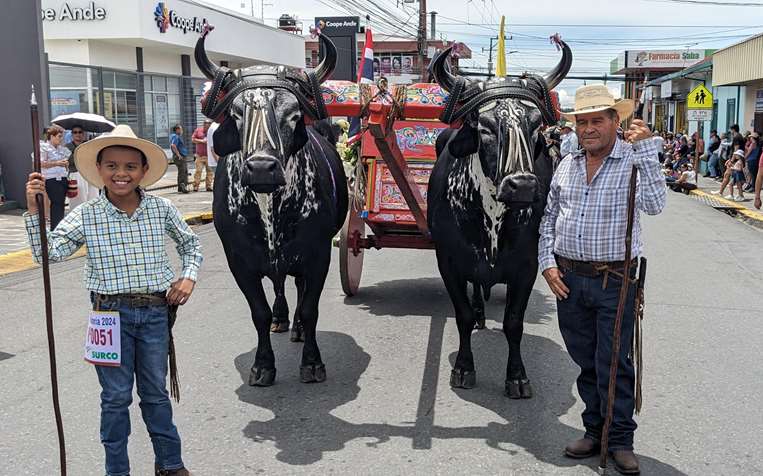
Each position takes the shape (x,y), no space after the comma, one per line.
(22,260)
(753,215)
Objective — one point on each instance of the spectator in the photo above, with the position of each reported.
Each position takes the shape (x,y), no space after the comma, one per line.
(659,141)
(759,181)
(712,154)
(737,139)
(212,156)
(85,191)
(685,182)
(199,138)
(179,154)
(752,157)
(568,138)
(54,162)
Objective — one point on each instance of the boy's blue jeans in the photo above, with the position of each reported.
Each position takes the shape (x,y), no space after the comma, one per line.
(145,339)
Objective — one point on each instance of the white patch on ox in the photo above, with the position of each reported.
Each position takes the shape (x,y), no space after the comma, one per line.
(462,182)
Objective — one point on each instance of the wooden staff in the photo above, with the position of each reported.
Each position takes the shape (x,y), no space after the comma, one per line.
(46,284)
(615,359)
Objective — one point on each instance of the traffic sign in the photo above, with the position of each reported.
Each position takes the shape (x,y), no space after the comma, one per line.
(699,115)
(700,98)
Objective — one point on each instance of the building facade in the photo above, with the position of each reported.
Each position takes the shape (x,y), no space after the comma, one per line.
(395,58)
(132,61)
(665,107)
(740,67)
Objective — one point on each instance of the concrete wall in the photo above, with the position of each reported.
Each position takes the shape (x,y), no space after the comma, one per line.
(749,104)
(722,95)
(113,55)
(21,54)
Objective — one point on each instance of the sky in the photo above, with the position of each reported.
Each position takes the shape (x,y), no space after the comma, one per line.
(596,30)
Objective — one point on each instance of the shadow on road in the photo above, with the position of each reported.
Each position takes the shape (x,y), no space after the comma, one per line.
(303,428)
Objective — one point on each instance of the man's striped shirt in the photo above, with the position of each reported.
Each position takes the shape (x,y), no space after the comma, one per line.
(586,222)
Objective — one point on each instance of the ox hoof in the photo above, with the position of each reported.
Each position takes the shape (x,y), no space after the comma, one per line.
(297,333)
(278,327)
(312,373)
(517,389)
(479,323)
(260,377)
(460,378)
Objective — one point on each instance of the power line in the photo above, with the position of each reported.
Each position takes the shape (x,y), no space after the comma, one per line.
(710,3)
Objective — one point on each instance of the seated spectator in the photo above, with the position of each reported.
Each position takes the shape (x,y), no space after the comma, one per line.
(685,182)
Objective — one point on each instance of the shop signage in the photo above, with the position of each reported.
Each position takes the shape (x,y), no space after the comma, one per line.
(666,89)
(663,58)
(166,18)
(338,26)
(69,13)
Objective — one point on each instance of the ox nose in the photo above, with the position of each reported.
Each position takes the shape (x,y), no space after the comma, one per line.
(264,174)
(518,190)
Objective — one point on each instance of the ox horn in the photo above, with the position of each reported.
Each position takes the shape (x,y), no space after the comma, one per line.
(560,71)
(207,66)
(324,70)
(441,72)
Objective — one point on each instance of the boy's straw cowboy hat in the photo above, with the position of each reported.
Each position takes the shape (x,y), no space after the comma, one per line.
(86,154)
(595,98)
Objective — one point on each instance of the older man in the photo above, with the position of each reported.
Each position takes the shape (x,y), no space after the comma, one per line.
(85,191)
(581,253)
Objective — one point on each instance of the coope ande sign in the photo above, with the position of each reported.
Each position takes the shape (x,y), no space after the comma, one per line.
(166,18)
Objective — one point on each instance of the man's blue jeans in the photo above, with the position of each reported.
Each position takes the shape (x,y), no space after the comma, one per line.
(587,320)
(145,340)
(712,165)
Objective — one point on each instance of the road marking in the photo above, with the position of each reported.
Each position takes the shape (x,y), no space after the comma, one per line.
(742,210)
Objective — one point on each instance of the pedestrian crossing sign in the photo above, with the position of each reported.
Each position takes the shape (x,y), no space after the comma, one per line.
(700,98)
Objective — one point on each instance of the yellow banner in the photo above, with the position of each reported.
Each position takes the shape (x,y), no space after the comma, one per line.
(500,66)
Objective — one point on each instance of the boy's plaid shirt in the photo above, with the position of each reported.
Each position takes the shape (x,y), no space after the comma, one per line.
(586,222)
(124,254)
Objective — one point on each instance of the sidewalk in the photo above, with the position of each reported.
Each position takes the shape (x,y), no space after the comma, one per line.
(196,207)
(745,211)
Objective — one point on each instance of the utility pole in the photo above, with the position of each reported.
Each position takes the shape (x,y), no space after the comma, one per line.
(490,53)
(422,38)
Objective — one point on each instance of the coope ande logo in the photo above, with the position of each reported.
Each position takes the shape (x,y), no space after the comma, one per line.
(162,17)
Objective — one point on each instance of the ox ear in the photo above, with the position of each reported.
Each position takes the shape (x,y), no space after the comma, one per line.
(465,141)
(227,139)
(299,139)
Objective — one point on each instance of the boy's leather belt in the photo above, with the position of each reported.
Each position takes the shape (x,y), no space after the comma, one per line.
(592,269)
(132,300)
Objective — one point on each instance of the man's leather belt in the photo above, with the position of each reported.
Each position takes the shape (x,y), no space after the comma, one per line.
(132,300)
(591,269)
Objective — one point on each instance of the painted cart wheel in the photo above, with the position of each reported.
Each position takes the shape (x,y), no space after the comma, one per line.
(351,264)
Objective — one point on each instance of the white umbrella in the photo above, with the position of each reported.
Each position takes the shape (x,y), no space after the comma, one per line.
(88,122)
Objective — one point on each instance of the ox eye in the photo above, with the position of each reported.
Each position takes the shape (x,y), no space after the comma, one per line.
(295,117)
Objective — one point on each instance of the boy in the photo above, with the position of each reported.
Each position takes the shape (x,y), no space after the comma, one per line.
(127,271)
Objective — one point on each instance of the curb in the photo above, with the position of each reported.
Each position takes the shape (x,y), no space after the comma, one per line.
(748,214)
(21,260)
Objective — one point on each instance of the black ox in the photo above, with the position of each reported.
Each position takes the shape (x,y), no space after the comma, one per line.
(280,194)
(486,197)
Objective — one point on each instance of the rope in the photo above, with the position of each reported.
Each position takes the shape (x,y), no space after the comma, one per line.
(174,383)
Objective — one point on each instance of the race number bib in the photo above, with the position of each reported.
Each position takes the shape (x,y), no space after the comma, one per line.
(102,344)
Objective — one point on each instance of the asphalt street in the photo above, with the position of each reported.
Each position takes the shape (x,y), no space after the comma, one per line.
(386,407)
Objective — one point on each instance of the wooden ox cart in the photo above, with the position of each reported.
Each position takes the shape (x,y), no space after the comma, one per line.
(397,154)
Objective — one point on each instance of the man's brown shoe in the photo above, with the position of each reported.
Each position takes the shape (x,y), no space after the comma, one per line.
(171,472)
(625,462)
(582,448)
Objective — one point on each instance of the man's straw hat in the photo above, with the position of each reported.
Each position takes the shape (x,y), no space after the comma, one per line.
(86,154)
(595,98)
